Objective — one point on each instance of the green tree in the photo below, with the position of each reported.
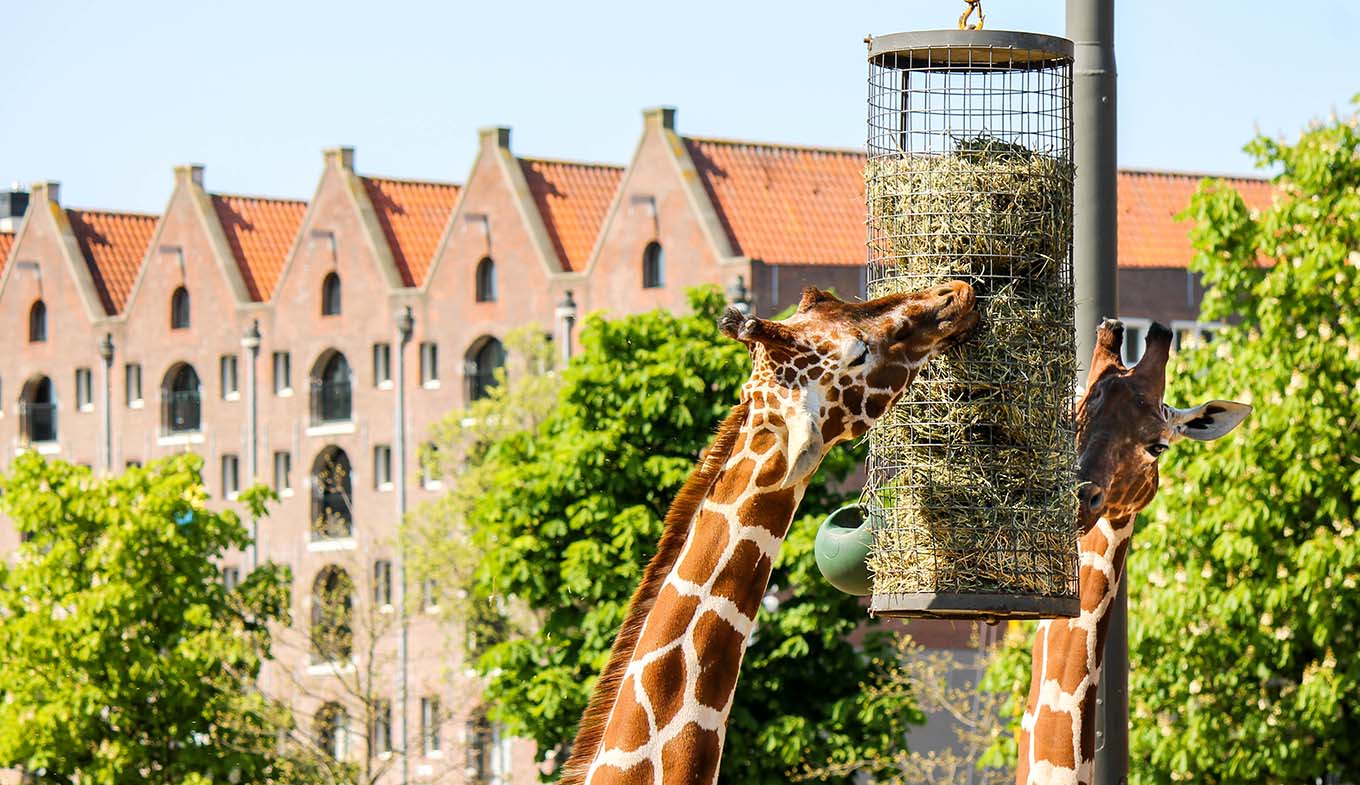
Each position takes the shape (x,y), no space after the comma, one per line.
(1244,615)
(122,656)
(566,509)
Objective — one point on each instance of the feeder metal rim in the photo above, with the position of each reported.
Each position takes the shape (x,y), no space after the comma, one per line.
(970,50)
(961,605)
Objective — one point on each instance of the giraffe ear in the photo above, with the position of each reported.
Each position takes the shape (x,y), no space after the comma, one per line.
(805,444)
(1208,421)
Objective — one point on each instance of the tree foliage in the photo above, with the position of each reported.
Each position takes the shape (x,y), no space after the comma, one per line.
(1244,614)
(567,508)
(122,656)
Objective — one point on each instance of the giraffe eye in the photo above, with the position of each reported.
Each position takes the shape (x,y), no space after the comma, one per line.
(859,360)
(1155,450)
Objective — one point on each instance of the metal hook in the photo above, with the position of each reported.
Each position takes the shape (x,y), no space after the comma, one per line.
(973,5)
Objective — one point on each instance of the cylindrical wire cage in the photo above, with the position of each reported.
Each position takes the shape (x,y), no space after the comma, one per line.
(972,474)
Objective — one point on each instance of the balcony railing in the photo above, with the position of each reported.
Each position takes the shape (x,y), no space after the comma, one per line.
(331,402)
(181,411)
(38,422)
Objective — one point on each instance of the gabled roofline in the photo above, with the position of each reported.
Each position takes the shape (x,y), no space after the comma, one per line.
(46,194)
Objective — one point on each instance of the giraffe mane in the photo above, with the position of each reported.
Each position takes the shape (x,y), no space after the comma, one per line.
(679,519)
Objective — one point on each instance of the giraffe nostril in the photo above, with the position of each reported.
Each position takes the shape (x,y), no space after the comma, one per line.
(1092,496)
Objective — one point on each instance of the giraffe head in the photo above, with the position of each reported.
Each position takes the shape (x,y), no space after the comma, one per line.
(1124,426)
(831,369)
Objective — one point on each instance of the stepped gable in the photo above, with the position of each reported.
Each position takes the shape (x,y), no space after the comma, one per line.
(114,245)
(261,232)
(573,199)
(413,215)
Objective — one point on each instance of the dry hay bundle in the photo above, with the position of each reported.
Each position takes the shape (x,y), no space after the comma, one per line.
(973,470)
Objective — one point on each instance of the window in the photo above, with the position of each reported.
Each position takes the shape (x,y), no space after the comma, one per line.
(231,578)
(332,603)
(382,466)
(653,267)
(331,493)
(331,400)
(1135,337)
(38,411)
(429,726)
(382,582)
(84,389)
(429,594)
(382,364)
(132,384)
(132,464)
(179,309)
(480,747)
(230,388)
(283,472)
(382,726)
(429,465)
(429,364)
(231,476)
(330,295)
(181,400)
(486,281)
(283,373)
(485,358)
(332,731)
(37,323)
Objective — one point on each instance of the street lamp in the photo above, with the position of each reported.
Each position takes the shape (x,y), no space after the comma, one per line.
(250,341)
(566,316)
(739,296)
(405,323)
(106,352)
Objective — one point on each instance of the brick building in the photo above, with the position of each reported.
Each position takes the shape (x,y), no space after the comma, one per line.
(264,334)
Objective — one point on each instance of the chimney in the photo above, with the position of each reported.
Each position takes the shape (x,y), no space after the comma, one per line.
(494,137)
(663,116)
(49,190)
(13,203)
(340,156)
(192,173)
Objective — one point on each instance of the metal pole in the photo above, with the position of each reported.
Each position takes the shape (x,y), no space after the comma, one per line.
(106,352)
(405,324)
(250,341)
(1090,25)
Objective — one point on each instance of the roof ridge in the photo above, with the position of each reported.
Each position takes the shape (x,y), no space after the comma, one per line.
(258,198)
(105,211)
(778,145)
(569,162)
(1147,172)
(411,180)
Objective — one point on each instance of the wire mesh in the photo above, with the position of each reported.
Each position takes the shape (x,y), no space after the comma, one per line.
(969,176)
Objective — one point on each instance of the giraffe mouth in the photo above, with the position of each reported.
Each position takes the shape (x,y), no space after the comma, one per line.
(959,329)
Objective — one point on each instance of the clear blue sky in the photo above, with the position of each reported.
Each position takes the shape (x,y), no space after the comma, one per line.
(107,96)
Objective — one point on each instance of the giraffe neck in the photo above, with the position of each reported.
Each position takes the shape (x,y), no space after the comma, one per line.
(1057,733)
(661,707)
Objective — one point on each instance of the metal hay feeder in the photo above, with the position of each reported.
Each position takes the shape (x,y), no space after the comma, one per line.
(971,477)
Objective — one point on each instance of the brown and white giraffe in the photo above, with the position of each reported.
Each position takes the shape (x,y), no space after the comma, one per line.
(1122,428)
(659,711)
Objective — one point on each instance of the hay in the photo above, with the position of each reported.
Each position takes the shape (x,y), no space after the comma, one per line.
(974,469)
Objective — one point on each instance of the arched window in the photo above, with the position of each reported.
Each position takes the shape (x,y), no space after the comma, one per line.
(38,411)
(330,295)
(181,399)
(179,309)
(332,486)
(37,322)
(332,731)
(483,359)
(332,611)
(331,400)
(486,281)
(653,267)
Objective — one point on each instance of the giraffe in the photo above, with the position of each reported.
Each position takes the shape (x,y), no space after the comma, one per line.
(1122,428)
(658,714)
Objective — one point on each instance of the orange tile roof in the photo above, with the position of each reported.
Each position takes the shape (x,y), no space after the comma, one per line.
(260,232)
(1149,234)
(413,215)
(6,243)
(573,199)
(783,204)
(114,245)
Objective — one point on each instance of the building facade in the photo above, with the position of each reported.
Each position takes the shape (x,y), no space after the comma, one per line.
(311,345)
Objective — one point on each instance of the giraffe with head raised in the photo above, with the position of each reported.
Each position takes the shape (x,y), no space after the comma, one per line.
(658,714)
(1122,428)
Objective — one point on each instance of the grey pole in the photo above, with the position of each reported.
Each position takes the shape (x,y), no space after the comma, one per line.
(250,341)
(1090,25)
(106,353)
(566,316)
(405,324)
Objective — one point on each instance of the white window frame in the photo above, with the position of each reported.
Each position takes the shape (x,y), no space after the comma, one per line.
(228,371)
(283,382)
(84,389)
(231,475)
(382,365)
(283,480)
(132,382)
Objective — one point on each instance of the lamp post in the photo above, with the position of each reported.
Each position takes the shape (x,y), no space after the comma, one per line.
(405,323)
(739,296)
(566,316)
(250,341)
(106,352)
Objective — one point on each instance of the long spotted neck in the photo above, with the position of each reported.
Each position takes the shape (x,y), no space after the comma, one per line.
(1057,733)
(667,708)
